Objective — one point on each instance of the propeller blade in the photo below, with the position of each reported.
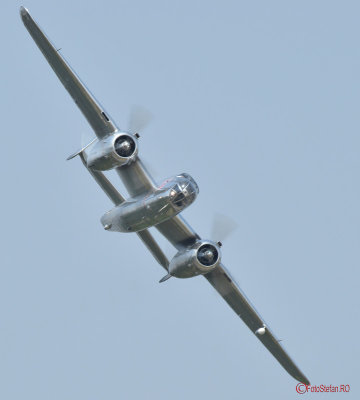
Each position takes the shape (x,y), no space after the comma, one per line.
(222,227)
(139,118)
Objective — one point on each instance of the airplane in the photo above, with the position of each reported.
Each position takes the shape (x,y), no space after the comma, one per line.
(152,205)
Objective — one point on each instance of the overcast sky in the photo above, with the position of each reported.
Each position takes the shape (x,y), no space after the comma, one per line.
(259,102)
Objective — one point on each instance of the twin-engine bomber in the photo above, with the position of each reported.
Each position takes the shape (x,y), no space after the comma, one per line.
(152,205)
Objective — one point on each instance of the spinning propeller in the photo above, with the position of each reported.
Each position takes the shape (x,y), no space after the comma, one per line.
(222,227)
(139,119)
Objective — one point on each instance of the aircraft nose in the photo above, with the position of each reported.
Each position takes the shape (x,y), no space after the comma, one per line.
(191,191)
(183,194)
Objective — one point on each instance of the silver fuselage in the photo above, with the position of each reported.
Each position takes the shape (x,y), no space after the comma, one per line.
(144,211)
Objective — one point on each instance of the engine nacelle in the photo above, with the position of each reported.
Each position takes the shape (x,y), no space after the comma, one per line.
(199,259)
(113,151)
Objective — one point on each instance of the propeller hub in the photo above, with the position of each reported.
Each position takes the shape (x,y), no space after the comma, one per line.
(207,255)
(124,146)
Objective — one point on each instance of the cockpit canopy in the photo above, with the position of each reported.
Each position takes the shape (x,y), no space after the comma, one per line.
(191,179)
(178,198)
(183,191)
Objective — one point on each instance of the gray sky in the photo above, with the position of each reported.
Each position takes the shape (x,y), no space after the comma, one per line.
(259,102)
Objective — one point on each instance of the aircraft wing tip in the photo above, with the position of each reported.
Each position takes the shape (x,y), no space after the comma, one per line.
(24,12)
(303,379)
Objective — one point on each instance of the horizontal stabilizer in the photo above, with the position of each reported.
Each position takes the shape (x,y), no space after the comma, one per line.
(80,151)
(154,248)
(165,278)
(104,183)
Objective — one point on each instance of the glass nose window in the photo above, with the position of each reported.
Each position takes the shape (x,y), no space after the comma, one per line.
(178,197)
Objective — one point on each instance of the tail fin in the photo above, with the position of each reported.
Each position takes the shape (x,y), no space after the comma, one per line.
(165,278)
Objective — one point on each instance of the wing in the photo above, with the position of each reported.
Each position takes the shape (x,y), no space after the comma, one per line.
(181,235)
(104,183)
(136,178)
(92,110)
(178,232)
(154,248)
(229,290)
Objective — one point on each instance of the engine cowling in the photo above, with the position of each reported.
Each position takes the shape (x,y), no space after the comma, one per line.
(201,258)
(113,151)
